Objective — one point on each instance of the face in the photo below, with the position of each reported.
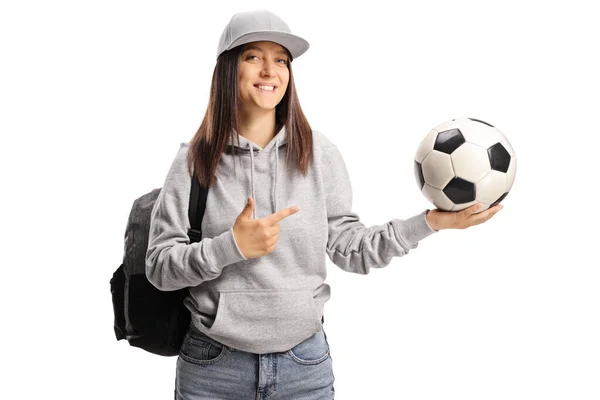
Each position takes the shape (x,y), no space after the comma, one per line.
(262,64)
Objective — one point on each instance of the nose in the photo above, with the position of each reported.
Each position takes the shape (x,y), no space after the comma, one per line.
(267,69)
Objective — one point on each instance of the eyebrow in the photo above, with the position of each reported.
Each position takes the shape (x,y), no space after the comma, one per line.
(259,49)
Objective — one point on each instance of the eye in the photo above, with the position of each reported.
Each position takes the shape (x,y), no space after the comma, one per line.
(281,61)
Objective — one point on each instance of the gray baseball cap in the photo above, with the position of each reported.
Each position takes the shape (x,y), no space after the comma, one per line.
(260,25)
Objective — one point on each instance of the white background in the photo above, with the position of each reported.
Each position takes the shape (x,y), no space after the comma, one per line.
(95,98)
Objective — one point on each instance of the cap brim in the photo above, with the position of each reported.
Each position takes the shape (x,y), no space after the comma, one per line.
(295,44)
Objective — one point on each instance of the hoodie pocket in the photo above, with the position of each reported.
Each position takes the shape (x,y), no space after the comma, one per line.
(265,321)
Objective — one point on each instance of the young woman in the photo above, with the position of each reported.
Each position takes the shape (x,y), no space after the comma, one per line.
(279,201)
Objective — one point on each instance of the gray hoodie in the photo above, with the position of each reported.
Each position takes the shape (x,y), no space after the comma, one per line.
(270,303)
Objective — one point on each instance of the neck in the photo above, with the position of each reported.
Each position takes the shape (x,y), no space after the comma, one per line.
(259,128)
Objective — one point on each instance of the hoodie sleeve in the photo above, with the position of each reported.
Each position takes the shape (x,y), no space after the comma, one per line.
(172,262)
(351,245)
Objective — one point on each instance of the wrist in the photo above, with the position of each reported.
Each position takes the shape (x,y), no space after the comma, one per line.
(431,221)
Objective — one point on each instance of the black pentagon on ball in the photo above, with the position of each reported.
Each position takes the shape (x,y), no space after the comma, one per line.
(448,141)
(499,157)
(419,175)
(499,200)
(483,122)
(460,191)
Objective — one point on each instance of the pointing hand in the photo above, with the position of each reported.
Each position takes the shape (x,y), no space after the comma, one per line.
(258,237)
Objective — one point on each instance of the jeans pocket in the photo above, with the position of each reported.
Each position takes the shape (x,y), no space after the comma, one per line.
(312,351)
(197,348)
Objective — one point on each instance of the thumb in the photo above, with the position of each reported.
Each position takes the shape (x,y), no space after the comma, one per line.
(247,211)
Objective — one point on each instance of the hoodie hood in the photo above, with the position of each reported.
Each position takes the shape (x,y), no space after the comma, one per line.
(272,149)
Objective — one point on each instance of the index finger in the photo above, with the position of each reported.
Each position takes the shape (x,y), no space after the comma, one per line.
(281,214)
(485,215)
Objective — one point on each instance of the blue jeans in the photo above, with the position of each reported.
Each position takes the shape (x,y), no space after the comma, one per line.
(207,369)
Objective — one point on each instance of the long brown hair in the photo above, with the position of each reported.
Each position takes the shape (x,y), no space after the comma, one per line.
(221,122)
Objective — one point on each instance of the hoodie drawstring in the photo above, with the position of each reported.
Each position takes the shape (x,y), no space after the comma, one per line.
(276,149)
(276,172)
(252,179)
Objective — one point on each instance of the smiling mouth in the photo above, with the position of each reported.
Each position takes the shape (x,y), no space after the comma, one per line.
(266,89)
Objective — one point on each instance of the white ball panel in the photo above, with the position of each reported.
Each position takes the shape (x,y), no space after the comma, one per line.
(470,162)
(437,169)
(510,174)
(459,207)
(489,188)
(425,146)
(481,134)
(437,197)
(462,206)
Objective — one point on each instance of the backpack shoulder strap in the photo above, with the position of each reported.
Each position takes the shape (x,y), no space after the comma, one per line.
(196,209)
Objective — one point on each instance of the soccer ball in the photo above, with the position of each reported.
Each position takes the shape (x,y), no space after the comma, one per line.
(463,162)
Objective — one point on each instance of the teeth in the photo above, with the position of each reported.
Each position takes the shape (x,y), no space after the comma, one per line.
(266,87)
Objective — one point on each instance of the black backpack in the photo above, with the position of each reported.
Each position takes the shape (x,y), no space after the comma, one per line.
(147,317)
